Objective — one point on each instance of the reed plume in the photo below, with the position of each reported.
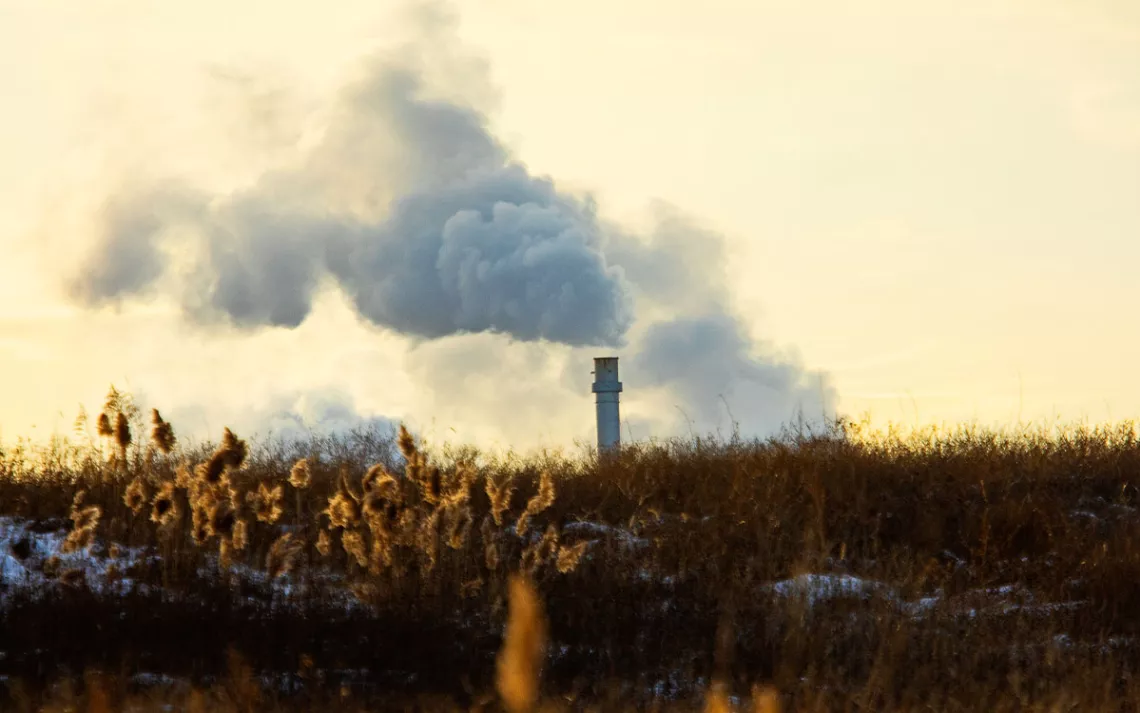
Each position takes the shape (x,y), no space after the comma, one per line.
(353,544)
(765,699)
(200,527)
(519,662)
(240,536)
(543,499)
(540,552)
(230,454)
(266,502)
(78,540)
(184,476)
(461,520)
(122,432)
(103,425)
(135,496)
(406,443)
(225,554)
(431,484)
(284,555)
(500,497)
(381,557)
(372,476)
(341,510)
(548,546)
(164,508)
(324,543)
(570,556)
(429,536)
(162,433)
(716,700)
(300,476)
(86,518)
(222,518)
(490,547)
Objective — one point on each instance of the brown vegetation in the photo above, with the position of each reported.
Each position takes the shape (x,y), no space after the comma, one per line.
(956,570)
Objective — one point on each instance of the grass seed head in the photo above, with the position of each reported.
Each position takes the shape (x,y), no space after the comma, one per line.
(122,431)
(240,535)
(78,540)
(135,496)
(266,502)
(716,700)
(225,554)
(342,510)
(381,557)
(86,518)
(162,433)
(200,530)
(284,555)
(300,476)
(523,523)
(372,475)
(765,699)
(222,518)
(164,508)
(184,476)
(548,547)
(461,520)
(211,471)
(324,543)
(234,448)
(519,663)
(104,425)
(353,544)
(544,498)
(432,485)
(570,556)
(406,443)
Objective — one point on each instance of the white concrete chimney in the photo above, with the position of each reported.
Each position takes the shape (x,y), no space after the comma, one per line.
(607,387)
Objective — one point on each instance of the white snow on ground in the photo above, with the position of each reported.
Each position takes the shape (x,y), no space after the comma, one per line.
(821,589)
(28,573)
(598,531)
(813,589)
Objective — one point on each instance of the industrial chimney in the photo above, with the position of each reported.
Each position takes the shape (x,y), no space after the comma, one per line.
(607,387)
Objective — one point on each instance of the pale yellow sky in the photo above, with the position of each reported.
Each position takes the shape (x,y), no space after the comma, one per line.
(934,202)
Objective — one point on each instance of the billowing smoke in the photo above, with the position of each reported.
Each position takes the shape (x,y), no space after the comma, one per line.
(720,381)
(412,207)
(697,351)
(431,229)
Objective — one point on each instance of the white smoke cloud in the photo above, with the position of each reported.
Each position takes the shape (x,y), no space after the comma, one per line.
(501,281)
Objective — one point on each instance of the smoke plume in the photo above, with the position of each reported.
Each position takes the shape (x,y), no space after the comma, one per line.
(432,229)
(409,203)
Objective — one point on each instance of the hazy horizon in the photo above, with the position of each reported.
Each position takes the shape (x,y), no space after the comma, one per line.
(287,215)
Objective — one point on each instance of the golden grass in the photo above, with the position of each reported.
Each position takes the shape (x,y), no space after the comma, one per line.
(635,555)
(519,664)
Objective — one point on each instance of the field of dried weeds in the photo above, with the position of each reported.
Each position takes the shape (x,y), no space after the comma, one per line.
(939,570)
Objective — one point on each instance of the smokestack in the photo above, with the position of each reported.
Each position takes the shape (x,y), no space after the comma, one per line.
(607,387)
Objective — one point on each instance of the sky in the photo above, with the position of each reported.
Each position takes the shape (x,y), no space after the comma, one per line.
(286,216)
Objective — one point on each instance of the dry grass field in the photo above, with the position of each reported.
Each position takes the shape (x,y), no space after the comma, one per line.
(950,570)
